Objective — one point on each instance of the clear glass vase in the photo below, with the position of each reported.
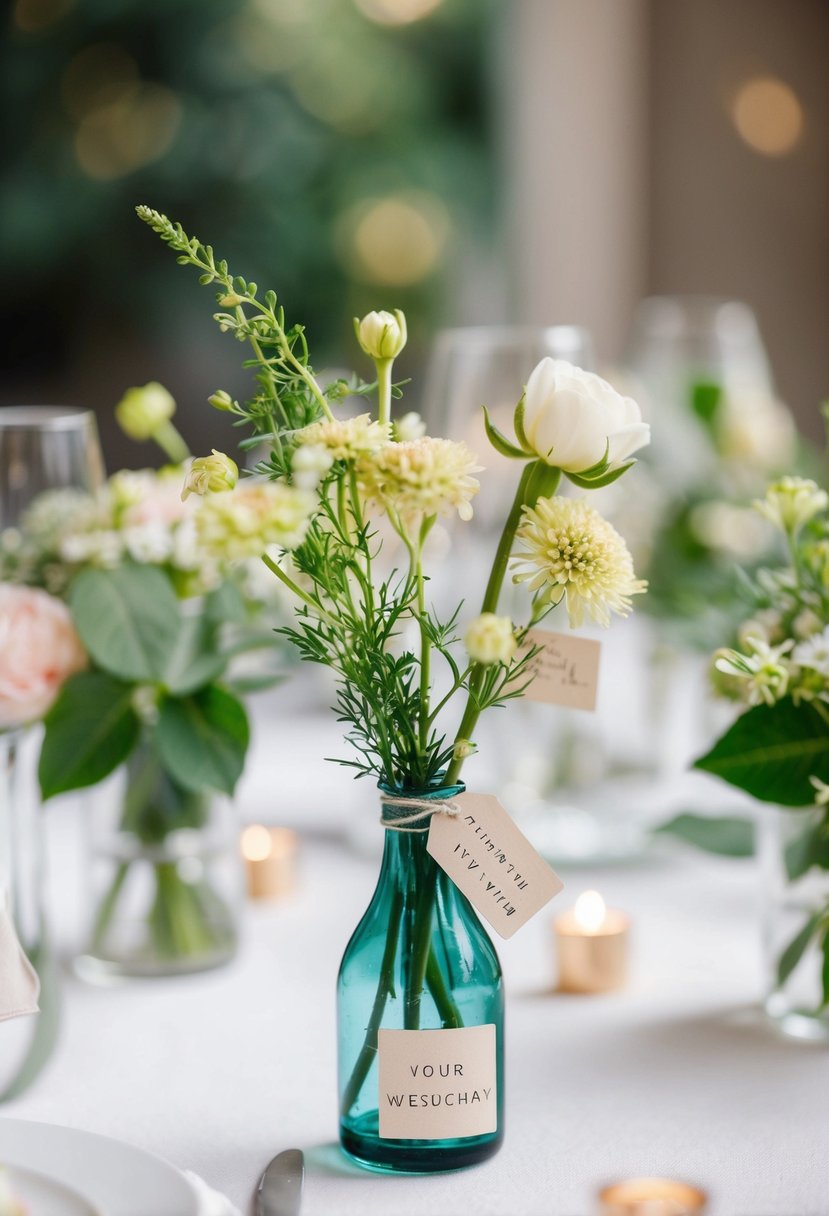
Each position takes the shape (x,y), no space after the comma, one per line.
(166,884)
(25,1043)
(795,850)
(420,1016)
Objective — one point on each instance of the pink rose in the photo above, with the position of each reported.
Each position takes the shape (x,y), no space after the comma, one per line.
(39,649)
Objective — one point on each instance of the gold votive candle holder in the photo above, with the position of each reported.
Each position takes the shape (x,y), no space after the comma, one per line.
(592,946)
(652,1197)
(269,855)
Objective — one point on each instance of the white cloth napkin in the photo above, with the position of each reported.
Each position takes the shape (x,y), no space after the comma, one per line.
(211,1203)
(19,985)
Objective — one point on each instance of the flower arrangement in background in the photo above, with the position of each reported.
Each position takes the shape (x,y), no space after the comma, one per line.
(778,673)
(133,621)
(690,525)
(342,488)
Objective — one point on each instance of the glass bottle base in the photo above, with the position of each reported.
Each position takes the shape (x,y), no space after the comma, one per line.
(413,1156)
(797,1023)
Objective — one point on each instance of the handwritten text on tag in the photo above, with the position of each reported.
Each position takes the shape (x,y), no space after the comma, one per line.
(566,669)
(490,859)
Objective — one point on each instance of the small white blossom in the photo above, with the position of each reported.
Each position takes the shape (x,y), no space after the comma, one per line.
(309,465)
(150,543)
(791,502)
(814,653)
(408,428)
(765,671)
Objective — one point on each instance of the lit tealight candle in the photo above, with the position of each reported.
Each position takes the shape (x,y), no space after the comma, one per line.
(651,1197)
(592,946)
(270,861)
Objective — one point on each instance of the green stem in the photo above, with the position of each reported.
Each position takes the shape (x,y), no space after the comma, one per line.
(385,989)
(171,443)
(384,367)
(444,1001)
(537,480)
(107,908)
(297,591)
(421,947)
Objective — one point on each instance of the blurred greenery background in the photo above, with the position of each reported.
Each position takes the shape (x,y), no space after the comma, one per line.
(339,151)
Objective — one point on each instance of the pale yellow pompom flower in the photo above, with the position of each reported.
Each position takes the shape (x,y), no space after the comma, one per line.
(571,552)
(345,438)
(255,516)
(490,639)
(422,477)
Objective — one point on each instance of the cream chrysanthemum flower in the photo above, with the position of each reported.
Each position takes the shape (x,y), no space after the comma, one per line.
(422,477)
(253,517)
(571,552)
(345,438)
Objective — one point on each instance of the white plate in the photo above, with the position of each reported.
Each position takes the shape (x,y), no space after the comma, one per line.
(43,1197)
(113,1178)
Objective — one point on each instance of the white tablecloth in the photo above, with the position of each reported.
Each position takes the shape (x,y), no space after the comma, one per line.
(676,1075)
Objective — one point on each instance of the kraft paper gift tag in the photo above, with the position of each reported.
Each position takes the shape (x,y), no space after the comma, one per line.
(19,985)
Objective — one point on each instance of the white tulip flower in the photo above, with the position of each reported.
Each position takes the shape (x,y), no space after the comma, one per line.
(382,335)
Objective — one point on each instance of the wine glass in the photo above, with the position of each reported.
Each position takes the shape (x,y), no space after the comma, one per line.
(41,448)
(678,343)
(45,447)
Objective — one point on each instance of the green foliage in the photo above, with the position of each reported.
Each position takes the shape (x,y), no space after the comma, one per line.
(90,730)
(796,948)
(706,397)
(128,620)
(725,835)
(810,848)
(771,751)
(202,739)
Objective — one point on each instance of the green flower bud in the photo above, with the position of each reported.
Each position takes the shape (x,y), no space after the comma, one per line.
(382,335)
(210,475)
(221,400)
(143,411)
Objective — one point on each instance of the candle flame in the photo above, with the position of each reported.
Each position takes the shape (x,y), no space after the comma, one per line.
(590,911)
(257,844)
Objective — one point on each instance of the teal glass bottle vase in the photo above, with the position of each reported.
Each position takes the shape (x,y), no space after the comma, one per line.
(420,1013)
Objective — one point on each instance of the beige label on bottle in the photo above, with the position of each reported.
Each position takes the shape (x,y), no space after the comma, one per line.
(490,859)
(566,669)
(437,1084)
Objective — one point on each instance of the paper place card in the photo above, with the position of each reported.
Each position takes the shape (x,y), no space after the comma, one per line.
(490,859)
(566,669)
(437,1084)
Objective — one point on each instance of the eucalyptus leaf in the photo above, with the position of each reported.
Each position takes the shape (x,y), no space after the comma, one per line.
(202,739)
(725,835)
(771,752)
(796,948)
(90,730)
(128,620)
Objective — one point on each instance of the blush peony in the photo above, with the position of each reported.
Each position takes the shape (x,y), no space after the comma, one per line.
(39,649)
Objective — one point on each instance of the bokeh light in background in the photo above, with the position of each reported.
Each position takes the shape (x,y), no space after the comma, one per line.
(328,148)
(768,116)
